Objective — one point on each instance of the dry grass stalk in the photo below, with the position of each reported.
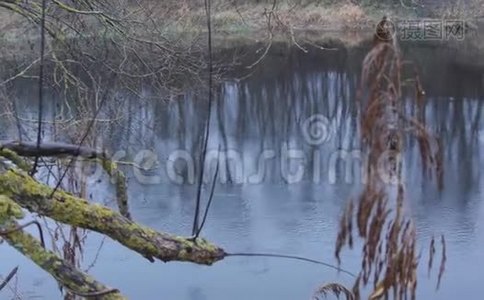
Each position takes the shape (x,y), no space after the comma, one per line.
(334,289)
(390,258)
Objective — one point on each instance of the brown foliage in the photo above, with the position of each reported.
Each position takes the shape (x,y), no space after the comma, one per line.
(389,239)
(335,289)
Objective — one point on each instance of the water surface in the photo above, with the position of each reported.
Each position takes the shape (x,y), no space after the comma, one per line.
(280,212)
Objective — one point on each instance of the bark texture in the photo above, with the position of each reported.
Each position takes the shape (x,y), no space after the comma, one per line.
(68,209)
(20,191)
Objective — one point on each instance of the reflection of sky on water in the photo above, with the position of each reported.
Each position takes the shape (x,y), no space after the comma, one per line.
(265,112)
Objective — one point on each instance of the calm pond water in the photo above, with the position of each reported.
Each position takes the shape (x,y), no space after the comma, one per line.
(263,203)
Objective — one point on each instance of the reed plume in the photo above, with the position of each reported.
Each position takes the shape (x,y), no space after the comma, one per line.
(390,260)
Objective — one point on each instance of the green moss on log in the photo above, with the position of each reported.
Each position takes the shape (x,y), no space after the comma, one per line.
(9,210)
(68,209)
(66,274)
(117,175)
(15,158)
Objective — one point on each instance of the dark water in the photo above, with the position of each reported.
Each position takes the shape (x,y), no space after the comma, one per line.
(265,202)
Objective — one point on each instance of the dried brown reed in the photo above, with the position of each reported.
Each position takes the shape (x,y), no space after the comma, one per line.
(390,259)
(334,289)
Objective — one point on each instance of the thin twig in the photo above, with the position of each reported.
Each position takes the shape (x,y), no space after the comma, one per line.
(20,227)
(93,120)
(195,229)
(211,196)
(8,278)
(41,85)
(294,257)
(270,35)
(21,73)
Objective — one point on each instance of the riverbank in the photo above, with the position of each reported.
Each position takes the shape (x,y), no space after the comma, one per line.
(181,28)
(250,17)
(254,16)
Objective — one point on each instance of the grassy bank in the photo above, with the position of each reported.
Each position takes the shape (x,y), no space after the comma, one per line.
(249,16)
(180,28)
(324,15)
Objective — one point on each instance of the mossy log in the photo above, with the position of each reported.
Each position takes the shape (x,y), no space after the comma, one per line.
(13,150)
(15,158)
(68,209)
(119,178)
(68,276)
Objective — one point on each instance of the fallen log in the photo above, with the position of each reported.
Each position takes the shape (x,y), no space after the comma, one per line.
(68,209)
(51,149)
(74,280)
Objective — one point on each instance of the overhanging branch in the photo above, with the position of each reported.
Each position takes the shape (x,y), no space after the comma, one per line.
(68,209)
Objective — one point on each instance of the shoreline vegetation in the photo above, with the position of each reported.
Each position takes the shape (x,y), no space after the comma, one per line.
(250,21)
(180,26)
